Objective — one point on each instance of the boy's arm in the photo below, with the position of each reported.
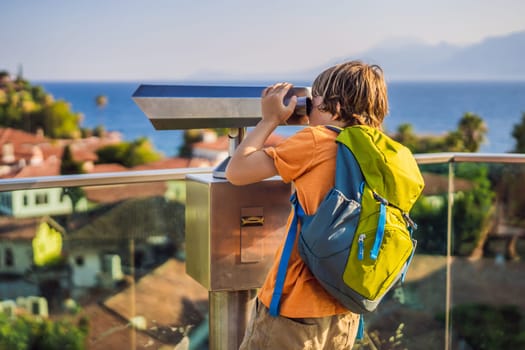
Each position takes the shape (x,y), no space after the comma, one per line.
(249,162)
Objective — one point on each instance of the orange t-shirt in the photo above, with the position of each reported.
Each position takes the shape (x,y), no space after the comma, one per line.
(308,159)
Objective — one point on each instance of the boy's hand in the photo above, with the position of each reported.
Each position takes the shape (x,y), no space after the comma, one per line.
(272,105)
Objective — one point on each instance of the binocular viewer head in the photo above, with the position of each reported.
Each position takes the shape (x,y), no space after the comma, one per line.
(303,106)
(173,107)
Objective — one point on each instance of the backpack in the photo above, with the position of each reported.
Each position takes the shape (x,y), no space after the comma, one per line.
(359,242)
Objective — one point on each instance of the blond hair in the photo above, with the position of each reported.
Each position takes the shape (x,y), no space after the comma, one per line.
(360,90)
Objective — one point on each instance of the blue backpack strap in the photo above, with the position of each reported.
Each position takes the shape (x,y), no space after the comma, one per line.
(285,259)
(380,231)
(361,328)
(346,164)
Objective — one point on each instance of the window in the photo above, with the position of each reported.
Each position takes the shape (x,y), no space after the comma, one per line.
(41,198)
(26,200)
(9,257)
(79,260)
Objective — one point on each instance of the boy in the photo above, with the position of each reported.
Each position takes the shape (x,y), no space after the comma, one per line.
(352,93)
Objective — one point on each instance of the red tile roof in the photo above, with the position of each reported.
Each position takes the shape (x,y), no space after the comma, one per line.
(18,229)
(115,193)
(49,167)
(167,296)
(170,301)
(438,184)
(108,168)
(174,163)
(222,143)
(19,137)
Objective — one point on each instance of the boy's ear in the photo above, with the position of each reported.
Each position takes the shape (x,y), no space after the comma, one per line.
(337,114)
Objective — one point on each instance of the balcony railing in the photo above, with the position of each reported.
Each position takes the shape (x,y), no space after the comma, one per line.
(105,254)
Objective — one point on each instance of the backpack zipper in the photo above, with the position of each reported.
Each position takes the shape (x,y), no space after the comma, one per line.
(361,246)
(409,221)
(405,215)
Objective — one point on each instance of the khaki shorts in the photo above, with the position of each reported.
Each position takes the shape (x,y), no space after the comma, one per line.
(265,332)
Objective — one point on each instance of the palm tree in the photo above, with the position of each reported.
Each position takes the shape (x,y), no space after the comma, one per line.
(473,130)
(101,101)
(518,133)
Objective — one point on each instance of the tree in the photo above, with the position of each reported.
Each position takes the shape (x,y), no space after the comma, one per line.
(4,75)
(141,152)
(406,136)
(128,154)
(473,209)
(68,165)
(26,332)
(518,133)
(75,194)
(468,137)
(30,108)
(56,120)
(473,130)
(101,101)
(190,137)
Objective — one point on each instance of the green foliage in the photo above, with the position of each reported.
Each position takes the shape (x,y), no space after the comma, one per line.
(129,154)
(473,130)
(99,131)
(193,136)
(468,137)
(15,334)
(68,165)
(75,194)
(430,214)
(30,108)
(39,95)
(518,133)
(510,179)
(101,101)
(61,335)
(489,327)
(113,153)
(141,152)
(406,136)
(472,209)
(24,332)
(190,137)
(10,115)
(470,214)
(57,120)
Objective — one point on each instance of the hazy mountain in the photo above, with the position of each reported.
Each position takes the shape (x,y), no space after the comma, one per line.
(494,58)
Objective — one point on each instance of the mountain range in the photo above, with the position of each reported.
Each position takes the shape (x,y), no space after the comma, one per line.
(493,58)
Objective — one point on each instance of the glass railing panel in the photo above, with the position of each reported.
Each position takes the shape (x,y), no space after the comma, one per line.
(112,266)
(487,273)
(107,261)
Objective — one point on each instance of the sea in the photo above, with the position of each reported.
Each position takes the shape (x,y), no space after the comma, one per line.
(432,108)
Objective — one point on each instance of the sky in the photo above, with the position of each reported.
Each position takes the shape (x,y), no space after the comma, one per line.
(131,40)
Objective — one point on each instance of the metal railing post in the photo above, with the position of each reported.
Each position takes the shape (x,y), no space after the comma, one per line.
(229,314)
(229,310)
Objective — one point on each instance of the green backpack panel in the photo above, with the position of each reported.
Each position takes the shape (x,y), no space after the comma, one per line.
(391,173)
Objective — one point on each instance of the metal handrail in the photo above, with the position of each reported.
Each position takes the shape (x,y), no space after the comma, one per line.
(125,177)
(110,178)
(451,157)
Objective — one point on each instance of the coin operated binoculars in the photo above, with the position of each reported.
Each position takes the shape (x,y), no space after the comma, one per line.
(232,232)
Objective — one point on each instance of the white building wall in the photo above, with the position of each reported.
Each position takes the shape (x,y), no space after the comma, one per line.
(85,268)
(25,203)
(22,253)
